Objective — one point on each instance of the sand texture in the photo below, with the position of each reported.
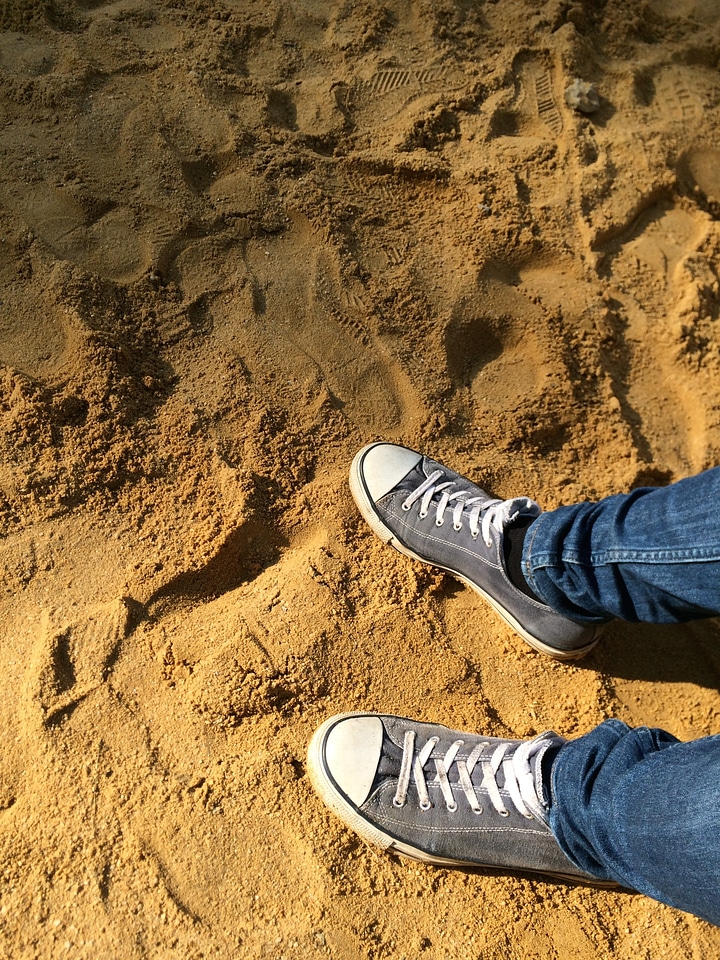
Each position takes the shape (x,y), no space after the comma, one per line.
(239,240)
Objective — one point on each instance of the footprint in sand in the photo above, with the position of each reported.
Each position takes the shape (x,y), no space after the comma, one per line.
(299,324)
(99,237)
(111,782)
(411,82)
(38,336)
(655,269)
(678,96)
(89,193)
(69,661)
(25,56)
(389,96)
(507,367)
(699,169)
(532,109)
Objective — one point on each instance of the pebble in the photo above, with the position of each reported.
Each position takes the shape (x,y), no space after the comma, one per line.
(582,96)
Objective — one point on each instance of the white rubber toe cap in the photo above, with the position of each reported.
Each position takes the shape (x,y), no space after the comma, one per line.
(352,752)
(383,465)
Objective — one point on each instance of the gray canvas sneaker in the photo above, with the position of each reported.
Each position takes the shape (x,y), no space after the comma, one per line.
(430,513)
(440,796)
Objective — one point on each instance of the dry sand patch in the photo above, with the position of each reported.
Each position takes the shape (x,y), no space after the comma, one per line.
(238,241)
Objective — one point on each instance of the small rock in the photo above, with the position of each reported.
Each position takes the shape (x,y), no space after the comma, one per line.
(582,96)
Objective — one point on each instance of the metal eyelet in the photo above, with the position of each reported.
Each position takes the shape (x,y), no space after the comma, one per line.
(439,522)
(452,807)
(504,813)
(425,804)
(528,816)
(422,514)
(478,811)
(488,544)
(473,535)
(397,803)
(457,526)
(405,506)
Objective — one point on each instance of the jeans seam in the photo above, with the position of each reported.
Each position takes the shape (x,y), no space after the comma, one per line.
(526,563)
(593,559)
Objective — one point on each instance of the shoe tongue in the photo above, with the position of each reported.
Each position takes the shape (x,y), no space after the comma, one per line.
(390,760)
(536,765)
(542,764)
(520,507)
(420,473)
(412,480)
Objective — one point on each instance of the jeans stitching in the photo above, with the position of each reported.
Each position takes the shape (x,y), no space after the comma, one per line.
(594,559)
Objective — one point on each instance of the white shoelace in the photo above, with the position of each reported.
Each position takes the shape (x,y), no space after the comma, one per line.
(482,514)
(516,766)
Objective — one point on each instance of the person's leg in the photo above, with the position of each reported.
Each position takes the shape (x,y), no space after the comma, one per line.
(431,513)
(641,808)
(652,555)
(617,806)
(439,795)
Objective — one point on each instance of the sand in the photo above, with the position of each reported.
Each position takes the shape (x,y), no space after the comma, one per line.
(241,239)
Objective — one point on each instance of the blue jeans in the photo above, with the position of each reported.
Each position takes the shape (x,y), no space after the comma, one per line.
(652,555)
(637,806)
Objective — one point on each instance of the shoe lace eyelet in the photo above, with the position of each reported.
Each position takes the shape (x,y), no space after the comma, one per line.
(457,526)
(405,506)
(439,522)
(397,803)
(452,807)
(425,804)
(422,514)
(473,535)
(504,813)
(528,816)
(477,810)
(488,544)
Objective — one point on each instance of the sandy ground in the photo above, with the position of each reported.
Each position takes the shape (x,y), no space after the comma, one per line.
(239,240)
